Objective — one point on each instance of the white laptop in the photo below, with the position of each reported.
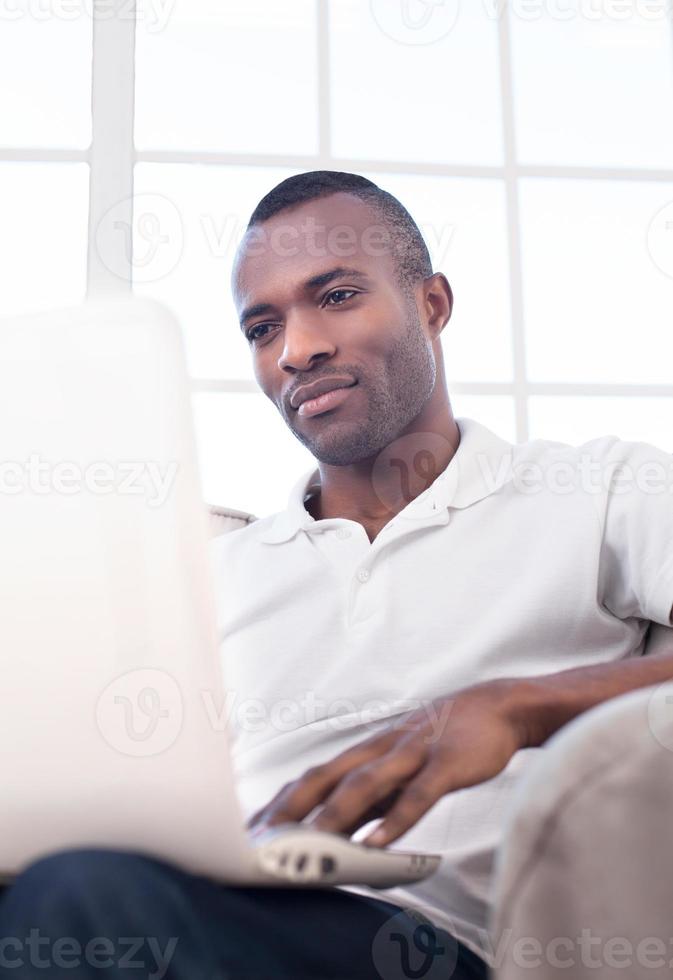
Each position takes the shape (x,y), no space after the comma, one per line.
(109,661)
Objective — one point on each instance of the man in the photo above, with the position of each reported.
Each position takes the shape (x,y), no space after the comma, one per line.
(431,606)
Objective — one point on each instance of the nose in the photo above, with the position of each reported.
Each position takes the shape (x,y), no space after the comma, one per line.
(306,342)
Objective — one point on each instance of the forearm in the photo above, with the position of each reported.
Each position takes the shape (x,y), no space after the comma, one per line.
(542,705)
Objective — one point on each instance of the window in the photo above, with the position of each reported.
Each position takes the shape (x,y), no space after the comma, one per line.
(45,79)
(538,166)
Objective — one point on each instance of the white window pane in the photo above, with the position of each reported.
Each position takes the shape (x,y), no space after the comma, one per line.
(464,225)
(239,76)
(45,76)
(575,419)
(597,305)
(496,412)
(188,222)
(593,90)
(249,459)
(43,235)
(415,81)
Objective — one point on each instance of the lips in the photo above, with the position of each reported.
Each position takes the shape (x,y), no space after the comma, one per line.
(317,388)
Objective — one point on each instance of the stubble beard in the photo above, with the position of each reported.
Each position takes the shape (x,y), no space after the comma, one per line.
(395,397)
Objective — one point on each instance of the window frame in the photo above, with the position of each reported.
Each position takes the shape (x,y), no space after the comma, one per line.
(112,156)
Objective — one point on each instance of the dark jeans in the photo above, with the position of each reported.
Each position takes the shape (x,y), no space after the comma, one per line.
(99,914)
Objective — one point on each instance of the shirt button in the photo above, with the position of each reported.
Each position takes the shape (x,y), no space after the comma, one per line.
(363,575)
(343,533)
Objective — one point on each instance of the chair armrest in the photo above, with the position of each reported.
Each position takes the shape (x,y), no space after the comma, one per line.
(225,519)
(658,639)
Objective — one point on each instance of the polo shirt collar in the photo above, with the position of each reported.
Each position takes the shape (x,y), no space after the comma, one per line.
(481,465)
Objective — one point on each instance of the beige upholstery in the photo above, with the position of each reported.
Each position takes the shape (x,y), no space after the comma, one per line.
(586,854)
(586,846)
(224,519)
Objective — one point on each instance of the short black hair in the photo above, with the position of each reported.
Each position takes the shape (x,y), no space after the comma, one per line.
(410,252)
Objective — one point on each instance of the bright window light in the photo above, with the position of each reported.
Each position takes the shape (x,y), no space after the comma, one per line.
(597,304)
(238,76)
(45,76)
(593,83)
(249,458)
(201,213)
(43,235)
(404,93)
(464,224)
(577,419)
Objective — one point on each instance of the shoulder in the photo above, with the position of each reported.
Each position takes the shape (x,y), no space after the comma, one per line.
(606,450)
(600,468)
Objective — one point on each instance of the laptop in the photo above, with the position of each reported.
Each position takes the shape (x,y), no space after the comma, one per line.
(111,728)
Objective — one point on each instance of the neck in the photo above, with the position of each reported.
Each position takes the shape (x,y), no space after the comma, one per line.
(374,490)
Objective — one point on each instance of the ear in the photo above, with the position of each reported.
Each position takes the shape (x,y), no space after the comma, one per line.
(438,302)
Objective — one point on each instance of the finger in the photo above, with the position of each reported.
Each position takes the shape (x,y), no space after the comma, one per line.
(290,800)
(296,799)
(375,812)
(417,797)
(366,787)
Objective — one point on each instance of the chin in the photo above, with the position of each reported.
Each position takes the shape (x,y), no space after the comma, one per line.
(341,453)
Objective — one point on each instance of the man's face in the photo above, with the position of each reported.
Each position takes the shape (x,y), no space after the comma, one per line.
(354,326)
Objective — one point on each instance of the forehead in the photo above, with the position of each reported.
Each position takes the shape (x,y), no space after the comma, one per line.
(296,244)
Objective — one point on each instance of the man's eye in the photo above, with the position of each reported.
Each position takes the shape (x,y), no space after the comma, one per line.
(251,332)
(347,293)
(337,292)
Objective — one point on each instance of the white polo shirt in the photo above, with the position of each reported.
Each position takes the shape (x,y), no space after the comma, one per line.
(518,560)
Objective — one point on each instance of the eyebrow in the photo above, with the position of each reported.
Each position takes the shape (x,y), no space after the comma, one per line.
(322,279)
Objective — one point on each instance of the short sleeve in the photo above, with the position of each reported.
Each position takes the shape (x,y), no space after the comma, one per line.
(636,554)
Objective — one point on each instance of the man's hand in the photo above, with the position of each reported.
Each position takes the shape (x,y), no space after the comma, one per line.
(452,743)
(400,774)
